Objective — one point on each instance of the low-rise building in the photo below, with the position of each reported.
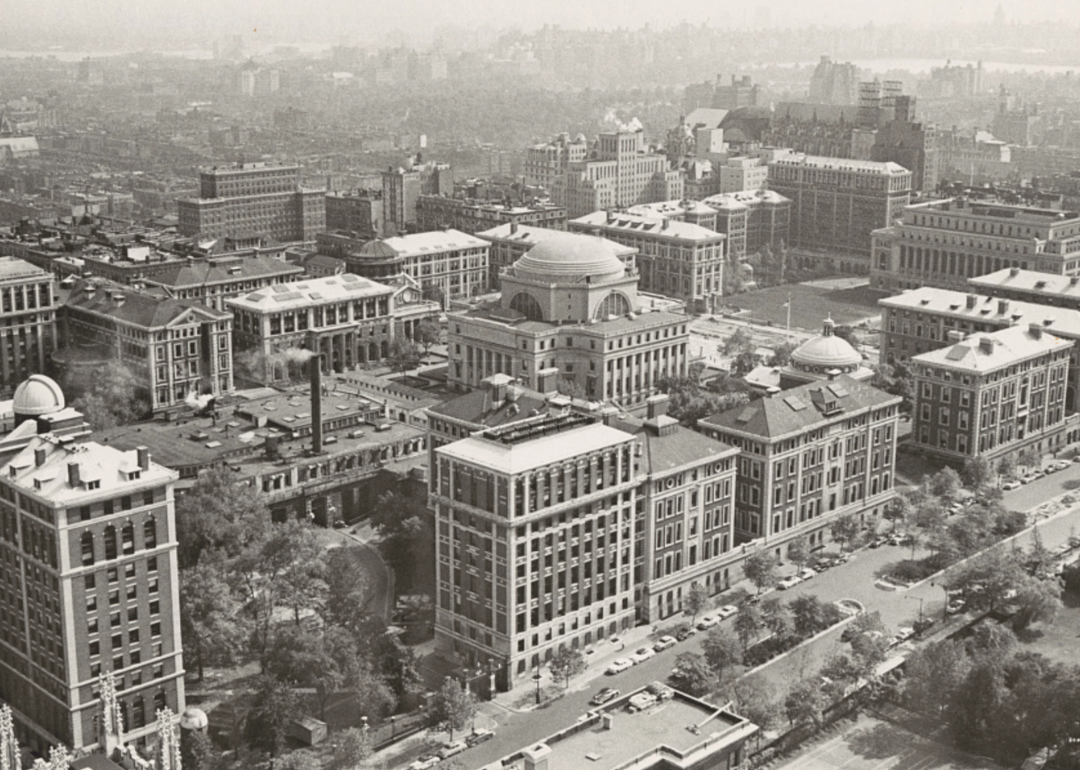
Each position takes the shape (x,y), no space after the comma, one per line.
(991,394)
(213,281)
(809,455)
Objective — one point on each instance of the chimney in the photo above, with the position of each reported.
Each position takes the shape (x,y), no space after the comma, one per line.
(971,300)
(1014,271)
(73,475)
(90,290)
(144,457)
(39,457)
(118,299)
(665,224)
(547,381)
(1035,330)
(955,336)
(1074,279)
(986,345)
(1003,307)
(605,720)
(315,371)
(513,228)
(657,405)
(536,757)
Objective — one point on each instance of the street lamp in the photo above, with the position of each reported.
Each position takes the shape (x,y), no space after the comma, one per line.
(536,679)
(920,600)
(945,606)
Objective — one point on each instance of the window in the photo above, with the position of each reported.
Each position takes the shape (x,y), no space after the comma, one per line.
(127,536)
(150,536)
(110,542)
(87,546)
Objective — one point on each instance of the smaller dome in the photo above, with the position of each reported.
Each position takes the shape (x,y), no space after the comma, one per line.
(193,718)
(376,249)
(37,396)
(827,351)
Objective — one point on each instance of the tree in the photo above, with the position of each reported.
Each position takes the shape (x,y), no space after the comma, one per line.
(404,355)
(978,473)
(1006,467)
(399,518)
(692,674)
(427,334)
(798,551)
(219,514)
(847,333)
(899,509)
(991,640)
(809,614)
(987,578)
(945,484)
(934,673)
(782,353)
(108,395)
(304,759)
(346,599)
(1030,457)
(452,708)
(1040,562)
(978,698)
(747,624)
(303,581)
(695,600)
(275,706)
(721,651)
(805,703)
(197,752)
(845,529)
(740,341)
(214,629)
(745,362)
(755,698)
(776,617)
(565,664)
(1037,601)
(352,749)
(867,622)
(869,650)
(760,569)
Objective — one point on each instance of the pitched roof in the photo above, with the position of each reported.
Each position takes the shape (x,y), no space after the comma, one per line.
(799,409)
(993,350)
(655,226)
(128,305)
(202,272)
(477,408)
(679,448)
(1029,281)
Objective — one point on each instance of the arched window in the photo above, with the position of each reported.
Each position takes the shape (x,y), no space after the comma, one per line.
(110,542)
(127,537)
(150,533)
(87,545)
(613,304)
(527,305)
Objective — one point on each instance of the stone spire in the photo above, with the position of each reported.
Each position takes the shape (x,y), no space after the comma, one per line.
(111,718)
(9,746)
(168,741)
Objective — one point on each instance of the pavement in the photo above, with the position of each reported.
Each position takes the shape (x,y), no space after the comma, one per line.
(518,720)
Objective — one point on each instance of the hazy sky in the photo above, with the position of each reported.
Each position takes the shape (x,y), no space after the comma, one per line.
(149,24)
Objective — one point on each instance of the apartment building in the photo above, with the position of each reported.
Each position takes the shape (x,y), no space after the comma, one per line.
(945,243)
(88,573)
(547,162)
(809,455)
(991,394)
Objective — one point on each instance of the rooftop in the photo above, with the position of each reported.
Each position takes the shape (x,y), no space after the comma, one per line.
(13,268)
(1029,281)
(957,304)
(840,164)
(992,350)
(570,436)
(530,236)
(433,242)
(201,273)
(798,409)
(744,198)
(137,308)
(670,208)
(302,294)
(637,321)
(655,226)
(976,207)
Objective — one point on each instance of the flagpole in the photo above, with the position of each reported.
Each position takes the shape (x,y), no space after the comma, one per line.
(788,306)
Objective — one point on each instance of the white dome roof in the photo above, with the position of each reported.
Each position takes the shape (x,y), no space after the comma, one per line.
(37,396)
(570,256)
(194,718)
(827,351)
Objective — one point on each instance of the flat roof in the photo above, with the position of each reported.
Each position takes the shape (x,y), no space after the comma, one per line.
(433,242)
(1032,281)
(840,164)
(638,224)
(931,300)
(312,291)
(524,456)
(13,268)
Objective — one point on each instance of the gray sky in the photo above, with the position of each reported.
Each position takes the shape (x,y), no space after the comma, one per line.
(147,24)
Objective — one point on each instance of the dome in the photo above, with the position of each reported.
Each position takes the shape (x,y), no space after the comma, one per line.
(571,257)
(376,249)
(193,718)
(826,352)
(37,396)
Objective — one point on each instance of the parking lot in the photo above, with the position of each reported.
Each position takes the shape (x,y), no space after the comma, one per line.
(873,744)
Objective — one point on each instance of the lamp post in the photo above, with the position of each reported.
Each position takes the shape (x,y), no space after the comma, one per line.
(945,606)
(920,600)
(536,680)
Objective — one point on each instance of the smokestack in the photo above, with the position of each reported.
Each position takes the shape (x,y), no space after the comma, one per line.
(315,370)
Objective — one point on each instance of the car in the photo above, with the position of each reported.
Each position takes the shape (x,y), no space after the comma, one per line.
(1051,468)
(664,642)
(877,542)
(727,611)
(805,574)
(903,634)
(954,606)
(1010,485)
(1076,458)
(684,632)
(1033,476)
(894,538)
(452,748)
(707,621)
(619,665)
(642,654)
(602,697)
(1060,465)
(479,735)
(426,761)
(789,582)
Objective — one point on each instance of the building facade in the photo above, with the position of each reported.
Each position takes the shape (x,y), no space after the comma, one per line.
(437,212)
(88,558)
(753,220)
(809,455)
(945,243)
(836,203)
(569,317)
(359,211)
(176,349)
(349,319)
(251,200)
(674,258)
(991,394)
(215,280)
(1030,286)
(28,315)
(545,163)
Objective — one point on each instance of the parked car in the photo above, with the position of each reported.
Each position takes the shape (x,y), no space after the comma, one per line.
(707,621)
(602,697)
(805,573)
(664,642)
(619,665)
(479,735)
(877,542)
(684,632)
(954,606)
(1011,484)
(788,582)
(642,654)
(452,748)
(1060,465)
(903,634)
(1033,476)
(727,611)
(425,762)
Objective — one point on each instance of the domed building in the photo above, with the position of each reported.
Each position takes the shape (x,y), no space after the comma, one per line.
(569,319)
(824,358)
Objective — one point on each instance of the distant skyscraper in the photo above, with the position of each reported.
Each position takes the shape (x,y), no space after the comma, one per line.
(834,83)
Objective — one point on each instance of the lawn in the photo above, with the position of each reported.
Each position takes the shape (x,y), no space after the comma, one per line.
(1056,640)
(810,304)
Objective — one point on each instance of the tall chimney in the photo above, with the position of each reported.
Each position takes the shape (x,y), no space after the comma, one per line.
(1003,306)
(971,299)
(73,475)
(39,457)
(315,370)
(144,457)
